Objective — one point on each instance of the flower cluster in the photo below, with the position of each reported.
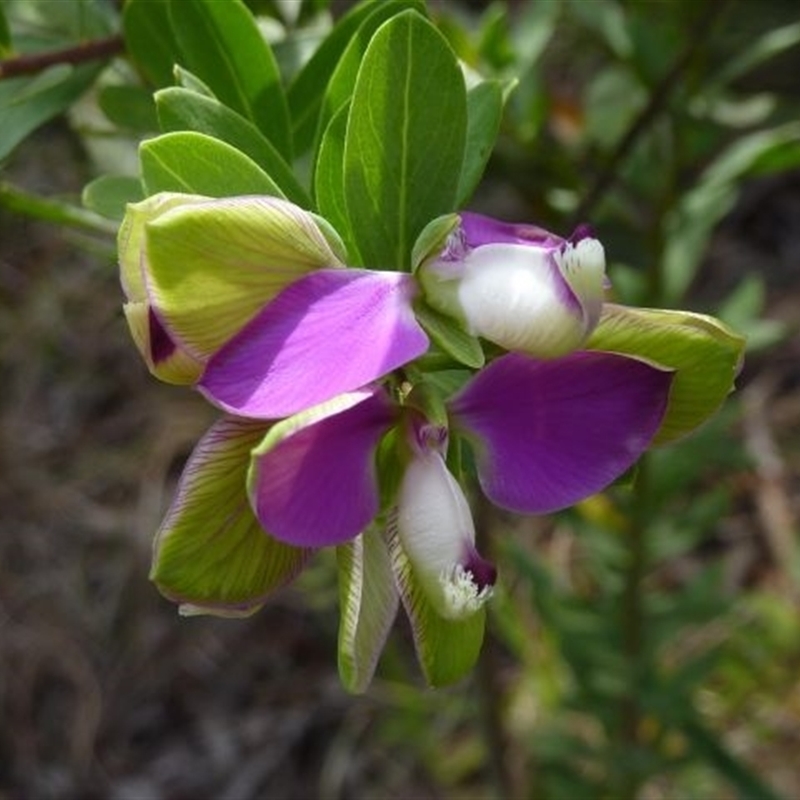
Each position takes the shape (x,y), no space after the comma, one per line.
(352,397)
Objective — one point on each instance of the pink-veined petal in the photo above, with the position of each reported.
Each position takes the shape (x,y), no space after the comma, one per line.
(328,333)
(550,433)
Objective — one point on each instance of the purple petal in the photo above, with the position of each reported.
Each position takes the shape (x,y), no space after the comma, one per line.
(479,230)
(330,332)
(550,433)
(162,346)
(313,481)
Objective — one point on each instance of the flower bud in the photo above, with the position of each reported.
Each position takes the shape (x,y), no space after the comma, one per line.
(437,533)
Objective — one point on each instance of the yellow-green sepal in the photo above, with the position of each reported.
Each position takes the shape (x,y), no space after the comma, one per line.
(368,603)
(447,650)
(210,554)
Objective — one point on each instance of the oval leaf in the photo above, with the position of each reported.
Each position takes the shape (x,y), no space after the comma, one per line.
(337,84)
(485,109)
(109,195)
(405,139)
(198,164)
(222,45)
(182,109)
(329,177)
(309,85)
(149,39)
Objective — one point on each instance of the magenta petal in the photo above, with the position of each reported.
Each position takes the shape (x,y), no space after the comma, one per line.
(330,332)
(478,230)
(550,433)
(313,481)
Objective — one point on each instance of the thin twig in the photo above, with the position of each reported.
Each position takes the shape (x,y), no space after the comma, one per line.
(655,105)
(33,63)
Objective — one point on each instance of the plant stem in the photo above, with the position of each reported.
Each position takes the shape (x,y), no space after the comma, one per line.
(33,63)
(698,39)
(32,205)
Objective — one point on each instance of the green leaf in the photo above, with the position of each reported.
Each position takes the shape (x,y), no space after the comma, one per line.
(210,550)
(181,109)
(129,107)
(446,650)
(149,39)
(484,112)
(188,80)
(26,103)
(764,48)
(311,84)
(329,178)
(368,603)
(221,44)
(404,147)
(690,225)
(199,164)
(5,36)
(109,195)
(705,354)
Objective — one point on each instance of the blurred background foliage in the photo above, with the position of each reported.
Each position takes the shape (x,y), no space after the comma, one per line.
(642,644)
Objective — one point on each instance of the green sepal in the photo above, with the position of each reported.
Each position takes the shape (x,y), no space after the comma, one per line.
(705,354)
(447,650)
(433,238)
(131,237)
(449,334)
(210,553)
(368,603)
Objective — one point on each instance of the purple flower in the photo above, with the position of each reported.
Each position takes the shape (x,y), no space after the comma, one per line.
(518,286)
(545,434)
(249,299)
